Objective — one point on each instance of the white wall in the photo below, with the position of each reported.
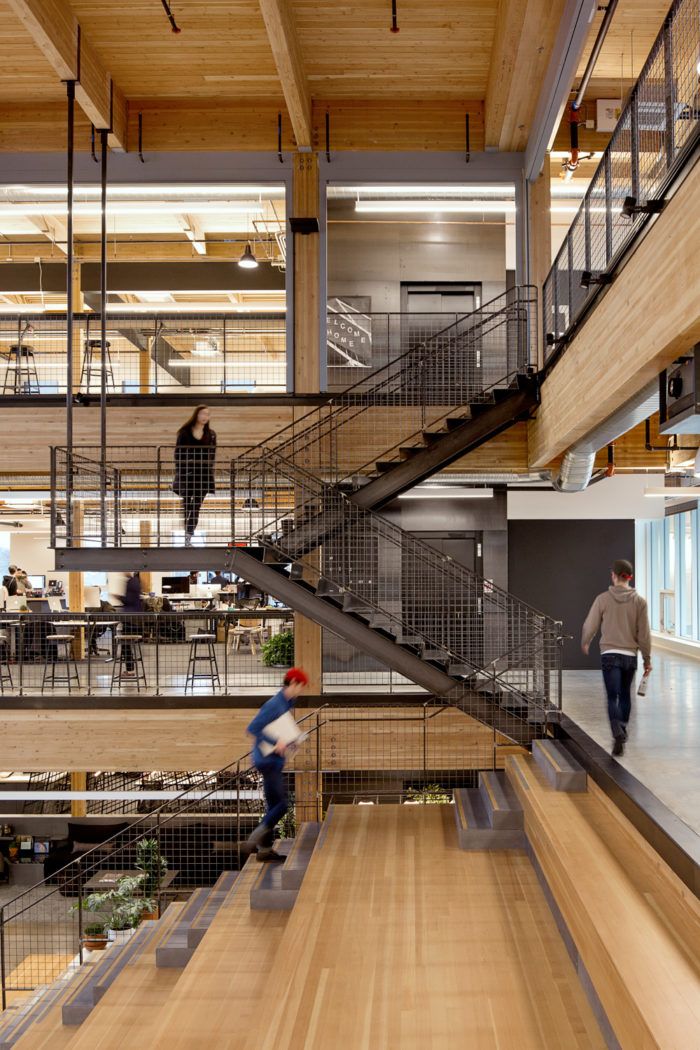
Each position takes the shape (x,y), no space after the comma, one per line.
(31,551)
(621,496)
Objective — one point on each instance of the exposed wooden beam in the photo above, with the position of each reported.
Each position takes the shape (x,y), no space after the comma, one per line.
(52,228)
(523,42)
(55,30)
(193,231)
(281,33)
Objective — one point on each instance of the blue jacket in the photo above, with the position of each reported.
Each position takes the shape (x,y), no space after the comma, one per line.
(272,709)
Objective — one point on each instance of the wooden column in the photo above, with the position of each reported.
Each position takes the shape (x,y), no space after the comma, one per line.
(76,583)
(78,782)
(307,351)
(145,536)
(78,307)
(540,242)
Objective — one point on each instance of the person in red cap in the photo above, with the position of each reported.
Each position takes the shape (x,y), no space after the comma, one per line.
(272,728)
(620,614)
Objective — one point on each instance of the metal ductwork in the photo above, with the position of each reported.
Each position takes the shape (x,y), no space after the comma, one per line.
(577,466)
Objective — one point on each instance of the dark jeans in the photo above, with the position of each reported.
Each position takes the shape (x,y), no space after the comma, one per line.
(275,796)
(618,675)
(191,506)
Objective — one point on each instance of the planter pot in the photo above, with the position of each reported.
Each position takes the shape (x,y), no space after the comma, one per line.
(149,914)
(95,944)
(120,936)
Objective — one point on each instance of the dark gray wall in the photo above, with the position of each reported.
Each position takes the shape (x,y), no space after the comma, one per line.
(560,566)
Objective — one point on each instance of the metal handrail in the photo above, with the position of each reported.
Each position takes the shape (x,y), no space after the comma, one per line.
(663,103)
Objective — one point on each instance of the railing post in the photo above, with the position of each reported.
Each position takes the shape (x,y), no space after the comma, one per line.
(634,145)
(80,910)
(319,774)
(425,744)
(3,973)
(158,478)
(20,654)
(669,93)
(608,210)
(52,540)
(238,812)
(157,647)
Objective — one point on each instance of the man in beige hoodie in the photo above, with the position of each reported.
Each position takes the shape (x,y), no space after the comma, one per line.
(620,614)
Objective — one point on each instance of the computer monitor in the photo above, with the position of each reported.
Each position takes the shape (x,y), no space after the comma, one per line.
(42,847)
(176,585)
(37,583)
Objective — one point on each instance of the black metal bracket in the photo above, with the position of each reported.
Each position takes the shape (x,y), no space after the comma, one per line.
(279,138)
(304,224)
(111,106)
(328,137)
(394,18)
(77,55)
(630,208)
(673,447)
(92,144)
(588,278)
(141,157)
(467,151)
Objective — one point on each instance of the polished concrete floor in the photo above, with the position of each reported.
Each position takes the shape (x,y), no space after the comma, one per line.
(663,750)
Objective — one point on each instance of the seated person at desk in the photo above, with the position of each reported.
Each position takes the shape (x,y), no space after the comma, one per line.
(219,580)
(11,582)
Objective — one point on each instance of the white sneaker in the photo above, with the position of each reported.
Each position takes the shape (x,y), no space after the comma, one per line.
(188,541)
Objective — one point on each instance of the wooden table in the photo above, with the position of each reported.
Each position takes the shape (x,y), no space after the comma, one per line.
(105,879)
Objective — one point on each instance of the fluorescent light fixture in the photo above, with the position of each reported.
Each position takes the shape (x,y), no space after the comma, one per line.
(26,209)
(153,189)
(423,206)
(683,492)
(446,492)
(454,190)
(178,362)
(183,308)
(205,348)
(570,189)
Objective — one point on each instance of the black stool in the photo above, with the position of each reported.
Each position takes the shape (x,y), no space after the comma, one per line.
(21,376)
(92,365)
(199,642)
(5,671)
(59,654)
(129,642)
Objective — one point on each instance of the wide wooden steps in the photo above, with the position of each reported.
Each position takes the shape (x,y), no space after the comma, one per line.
(633,926)
(400,940)
(224,987)
(46,1029)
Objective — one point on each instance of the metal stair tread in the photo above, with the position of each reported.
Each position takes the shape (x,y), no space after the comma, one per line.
(501,803)
(561,770)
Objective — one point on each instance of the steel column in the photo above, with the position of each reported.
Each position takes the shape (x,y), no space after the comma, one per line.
(103,339)
(70,90)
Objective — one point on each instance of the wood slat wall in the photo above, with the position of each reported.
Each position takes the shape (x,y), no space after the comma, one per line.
(649,316)
(210,738)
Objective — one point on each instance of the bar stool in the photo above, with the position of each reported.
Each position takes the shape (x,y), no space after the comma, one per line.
(199,642)
(119,670)
(92,365)
(5,670)
(21,376)
(59,654)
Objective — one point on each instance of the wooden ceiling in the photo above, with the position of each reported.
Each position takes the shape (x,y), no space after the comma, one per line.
(220,82)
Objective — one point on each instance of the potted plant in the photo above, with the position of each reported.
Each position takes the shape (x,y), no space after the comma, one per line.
(430,794)
(94,937)
(153,864)
(278,651)
(122,907)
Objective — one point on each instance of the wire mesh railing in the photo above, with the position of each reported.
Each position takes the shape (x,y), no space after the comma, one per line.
(164,650)
(656,132)
(144,354)
(460,364)
(352,752)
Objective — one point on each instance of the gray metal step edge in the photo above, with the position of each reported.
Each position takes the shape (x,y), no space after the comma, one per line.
(500,801)
(561,770)
(79,1006)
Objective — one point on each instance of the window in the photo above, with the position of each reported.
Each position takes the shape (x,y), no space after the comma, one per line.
(667,573)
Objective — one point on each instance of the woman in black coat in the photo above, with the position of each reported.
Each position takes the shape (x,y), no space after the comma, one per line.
(195,450)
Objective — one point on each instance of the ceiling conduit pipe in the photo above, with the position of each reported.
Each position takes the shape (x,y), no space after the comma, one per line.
(572,163)
(578,464)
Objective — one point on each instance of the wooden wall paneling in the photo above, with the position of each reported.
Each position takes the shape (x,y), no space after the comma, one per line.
(401,124)
(210,738)
(649,315)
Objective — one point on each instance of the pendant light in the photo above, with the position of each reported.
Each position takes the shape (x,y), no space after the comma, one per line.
(248,260)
